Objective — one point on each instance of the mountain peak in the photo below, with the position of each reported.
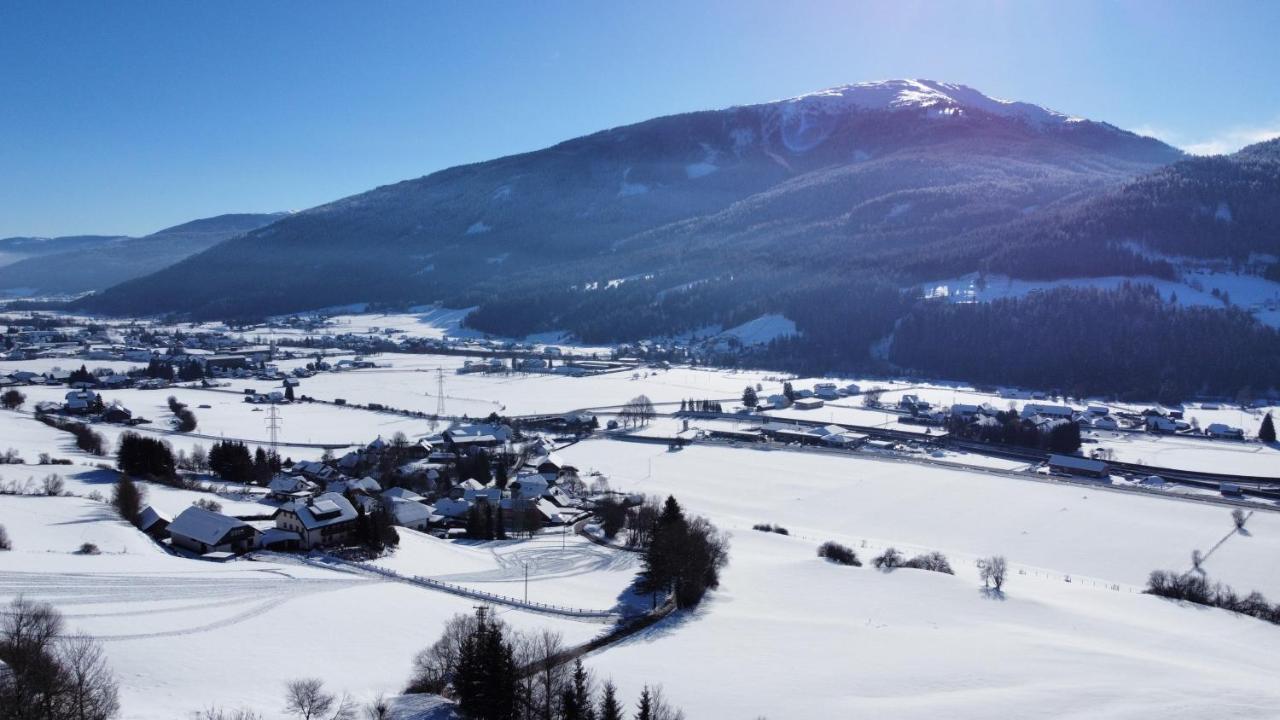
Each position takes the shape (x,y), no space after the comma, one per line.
(940,98)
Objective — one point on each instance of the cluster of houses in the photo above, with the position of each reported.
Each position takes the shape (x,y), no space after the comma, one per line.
(812,399)
(320,504)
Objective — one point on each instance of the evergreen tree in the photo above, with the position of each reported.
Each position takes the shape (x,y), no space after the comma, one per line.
(788,392)
(485,680)
(288,393)
(1267,433)
(609,707)
(644,710)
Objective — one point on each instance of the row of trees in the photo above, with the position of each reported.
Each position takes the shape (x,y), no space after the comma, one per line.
(1009,428)
(232,461)
(496,673)
(86,438)
(638,411)
(710,406)
(186,419)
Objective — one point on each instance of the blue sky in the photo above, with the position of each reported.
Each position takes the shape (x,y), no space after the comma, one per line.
(125,117)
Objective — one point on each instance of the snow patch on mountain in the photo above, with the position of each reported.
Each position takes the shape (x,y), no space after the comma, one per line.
(628,188)
(941,99)
(478,228)
(762,329)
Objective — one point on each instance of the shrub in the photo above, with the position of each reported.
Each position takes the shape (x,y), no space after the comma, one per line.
(207,504)
(837,553)
(889,560)
(933,562)
(766,527)
(89,549)
(52,485)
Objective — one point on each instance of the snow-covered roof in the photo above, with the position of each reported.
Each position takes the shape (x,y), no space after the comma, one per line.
(289,484)
(1075,462)
(327,509)
(407,511)
(149,517)
(399,493)
(203,525)
(449,507)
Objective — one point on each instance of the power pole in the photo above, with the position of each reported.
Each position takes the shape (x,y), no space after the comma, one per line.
(440,393)
(273,427)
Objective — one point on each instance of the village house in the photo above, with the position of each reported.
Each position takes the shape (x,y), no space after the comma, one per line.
(1076,465)
(411,514)
(80,402)
(290,487)
(1220,430)
(151,522)
(319,521)
(1055,411)
(203,531)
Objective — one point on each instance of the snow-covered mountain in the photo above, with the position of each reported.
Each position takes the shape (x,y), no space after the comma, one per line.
(858,178)
(939,97)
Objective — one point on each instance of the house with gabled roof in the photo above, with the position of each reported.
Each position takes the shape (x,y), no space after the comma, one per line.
(320,521)
(204,531)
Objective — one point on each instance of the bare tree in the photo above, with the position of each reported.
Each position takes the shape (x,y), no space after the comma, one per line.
(307,699)
(91,690)
(49,677)
(217,713)
(52,485)
(1239,518)
(378,709)
(544,647)
(434,667)
(993,571)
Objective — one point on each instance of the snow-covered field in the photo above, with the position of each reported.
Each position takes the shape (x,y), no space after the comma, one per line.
(301,424)
(182,635)
(789,636)
(563,568)
(1056,528)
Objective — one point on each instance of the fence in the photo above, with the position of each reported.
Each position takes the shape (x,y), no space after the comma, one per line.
(580,613)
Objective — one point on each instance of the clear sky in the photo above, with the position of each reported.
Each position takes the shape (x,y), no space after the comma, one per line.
(126,117)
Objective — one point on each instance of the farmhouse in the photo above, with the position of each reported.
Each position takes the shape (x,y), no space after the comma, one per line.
(411,514)
(290,487)
(327,519)
(151,522)
(1219,430)
(1076,465)
(203,531)
(1055,411)
(808,403)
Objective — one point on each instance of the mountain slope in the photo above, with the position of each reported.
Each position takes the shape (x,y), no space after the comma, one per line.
(68,266)
(850,178)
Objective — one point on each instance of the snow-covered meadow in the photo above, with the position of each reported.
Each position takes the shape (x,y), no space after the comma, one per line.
(1072,636)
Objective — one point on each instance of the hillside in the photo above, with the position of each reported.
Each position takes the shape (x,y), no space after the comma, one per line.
(846,180)
(78,264)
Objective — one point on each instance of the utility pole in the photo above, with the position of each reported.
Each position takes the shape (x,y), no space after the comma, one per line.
(526,581)
(273,427)
(440,392)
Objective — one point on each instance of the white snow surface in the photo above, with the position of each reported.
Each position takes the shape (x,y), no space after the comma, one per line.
(926,94)
(855,642)
(182,635)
